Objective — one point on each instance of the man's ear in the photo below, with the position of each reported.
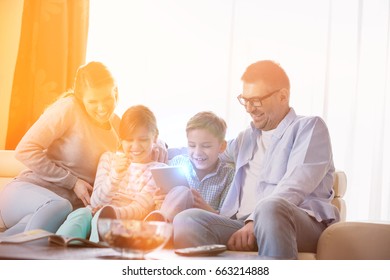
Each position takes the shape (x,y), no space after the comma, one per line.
(116,93)
(284,95)
(222,146)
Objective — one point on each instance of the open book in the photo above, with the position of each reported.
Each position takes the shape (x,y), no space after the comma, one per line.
(37,234)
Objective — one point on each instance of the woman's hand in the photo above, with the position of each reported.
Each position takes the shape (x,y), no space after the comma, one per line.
(83,191)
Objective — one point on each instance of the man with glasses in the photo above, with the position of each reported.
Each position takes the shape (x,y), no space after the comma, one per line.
(280,200)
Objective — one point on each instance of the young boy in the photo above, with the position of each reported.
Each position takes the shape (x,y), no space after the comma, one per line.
(208,177)
(124,187)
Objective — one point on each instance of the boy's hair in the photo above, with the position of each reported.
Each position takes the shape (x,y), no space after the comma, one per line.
(209,121)
(135,117)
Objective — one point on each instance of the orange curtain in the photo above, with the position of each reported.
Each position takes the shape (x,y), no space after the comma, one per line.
(52,46)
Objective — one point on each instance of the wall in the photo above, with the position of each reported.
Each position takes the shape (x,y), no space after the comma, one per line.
(10,24)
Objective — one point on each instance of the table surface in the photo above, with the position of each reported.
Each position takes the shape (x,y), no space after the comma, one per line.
(38,250)
(42,250)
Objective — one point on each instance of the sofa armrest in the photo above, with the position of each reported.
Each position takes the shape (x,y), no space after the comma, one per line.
(9,167)
(355,241)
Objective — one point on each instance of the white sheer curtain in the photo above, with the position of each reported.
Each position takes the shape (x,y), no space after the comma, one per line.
(182,56)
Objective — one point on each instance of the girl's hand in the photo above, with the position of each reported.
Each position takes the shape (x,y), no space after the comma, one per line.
(158,199)
(160,152)
(122,199)
(121,162)
(94,210)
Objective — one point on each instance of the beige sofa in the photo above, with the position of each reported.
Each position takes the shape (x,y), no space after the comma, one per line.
(9,167)
(343,240)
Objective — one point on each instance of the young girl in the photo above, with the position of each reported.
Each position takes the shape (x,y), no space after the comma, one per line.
(61,151)
(123,180)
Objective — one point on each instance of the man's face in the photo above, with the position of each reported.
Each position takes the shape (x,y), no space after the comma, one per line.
(273,108)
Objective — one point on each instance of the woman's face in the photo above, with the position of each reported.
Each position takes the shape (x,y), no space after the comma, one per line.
(100,103)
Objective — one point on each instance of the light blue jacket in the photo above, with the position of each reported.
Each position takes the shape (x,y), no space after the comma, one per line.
(298,166)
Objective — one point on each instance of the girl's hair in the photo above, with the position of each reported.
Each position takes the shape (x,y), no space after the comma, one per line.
(209,121)
(135,117)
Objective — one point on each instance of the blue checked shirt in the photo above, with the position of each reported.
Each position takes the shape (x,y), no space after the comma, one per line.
(214,186)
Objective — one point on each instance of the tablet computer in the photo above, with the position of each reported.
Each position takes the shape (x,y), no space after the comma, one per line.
(167,177)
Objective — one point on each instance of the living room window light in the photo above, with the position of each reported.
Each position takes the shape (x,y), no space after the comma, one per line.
(181,57)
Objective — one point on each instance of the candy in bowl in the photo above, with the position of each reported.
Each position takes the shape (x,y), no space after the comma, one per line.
(134,238)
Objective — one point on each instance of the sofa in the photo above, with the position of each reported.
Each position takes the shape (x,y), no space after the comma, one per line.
(9,167)
(342,240)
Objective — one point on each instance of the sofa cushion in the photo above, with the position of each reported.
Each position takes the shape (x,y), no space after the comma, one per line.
(9,167)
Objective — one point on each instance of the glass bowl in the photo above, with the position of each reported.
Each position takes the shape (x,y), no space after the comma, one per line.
(134,238)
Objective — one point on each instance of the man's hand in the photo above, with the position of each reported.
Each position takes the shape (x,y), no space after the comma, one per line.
(243,239)
(83,191)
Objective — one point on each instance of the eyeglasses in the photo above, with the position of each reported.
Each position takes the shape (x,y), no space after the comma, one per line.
(256,101)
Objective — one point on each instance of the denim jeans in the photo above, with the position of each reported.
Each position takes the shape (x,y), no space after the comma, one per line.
(281,229)
(25,206)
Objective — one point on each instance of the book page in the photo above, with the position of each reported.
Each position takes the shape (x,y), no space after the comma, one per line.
(26,236)
(74,241)
(36,234)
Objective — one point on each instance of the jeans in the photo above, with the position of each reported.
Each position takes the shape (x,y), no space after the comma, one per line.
(178,199)
(25,206)
(281,229)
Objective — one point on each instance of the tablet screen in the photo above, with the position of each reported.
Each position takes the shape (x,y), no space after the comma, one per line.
(168,177)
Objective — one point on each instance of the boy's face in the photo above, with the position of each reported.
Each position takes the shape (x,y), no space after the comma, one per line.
(139,147)
(204,148)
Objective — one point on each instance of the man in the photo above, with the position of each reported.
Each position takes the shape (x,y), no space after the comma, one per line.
(280,199)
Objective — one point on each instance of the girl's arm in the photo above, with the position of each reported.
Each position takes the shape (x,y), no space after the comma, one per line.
(141,203)
(107,181)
